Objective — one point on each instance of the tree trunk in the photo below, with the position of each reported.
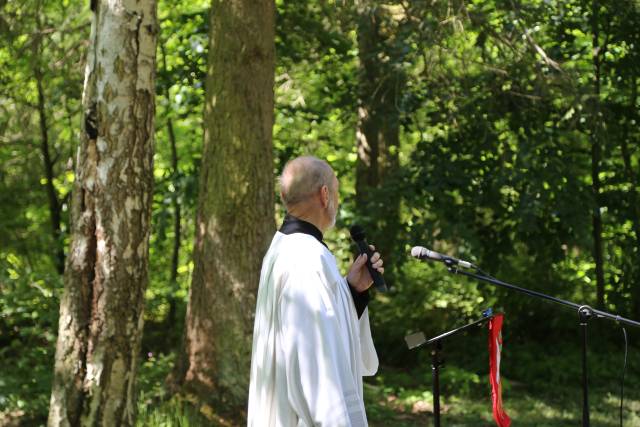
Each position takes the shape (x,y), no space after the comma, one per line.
(377,137)
(634,200)
(101,311)
(177,217)
(177,227)
(52,194)
(596,157)
(235,219)
(48,162)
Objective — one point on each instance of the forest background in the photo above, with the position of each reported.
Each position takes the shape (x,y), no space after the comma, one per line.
(504,132)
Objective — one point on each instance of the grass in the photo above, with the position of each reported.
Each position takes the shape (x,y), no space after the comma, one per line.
(403,398)
(173,413)
(542,390)
(412,407)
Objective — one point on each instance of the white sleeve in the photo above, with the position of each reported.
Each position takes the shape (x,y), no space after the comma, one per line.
(369,354)
(320,383)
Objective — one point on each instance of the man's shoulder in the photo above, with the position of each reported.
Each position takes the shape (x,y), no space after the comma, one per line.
(303,252)
(300,245)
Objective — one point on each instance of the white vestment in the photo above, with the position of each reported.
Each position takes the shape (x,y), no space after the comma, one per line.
(310,350)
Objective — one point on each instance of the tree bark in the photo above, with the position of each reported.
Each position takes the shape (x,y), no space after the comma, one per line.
(235,219)
(101,310)
(596,157)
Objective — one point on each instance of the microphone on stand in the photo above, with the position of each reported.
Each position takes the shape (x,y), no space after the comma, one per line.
(358,236)
(422,253)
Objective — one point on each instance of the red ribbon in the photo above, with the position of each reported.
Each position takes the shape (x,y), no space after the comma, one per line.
(495,347)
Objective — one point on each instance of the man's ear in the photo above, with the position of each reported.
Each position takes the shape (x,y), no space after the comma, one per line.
(324,196)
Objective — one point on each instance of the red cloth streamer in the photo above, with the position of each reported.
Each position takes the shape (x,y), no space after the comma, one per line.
(495,347)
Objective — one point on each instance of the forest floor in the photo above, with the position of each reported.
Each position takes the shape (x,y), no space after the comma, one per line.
(411,405)
(400,398)
(397,397)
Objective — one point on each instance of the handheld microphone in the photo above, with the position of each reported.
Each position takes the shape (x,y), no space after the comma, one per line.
(358,236)
(426,254)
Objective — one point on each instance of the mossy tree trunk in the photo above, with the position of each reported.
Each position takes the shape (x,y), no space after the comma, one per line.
(235,219)
(101,311)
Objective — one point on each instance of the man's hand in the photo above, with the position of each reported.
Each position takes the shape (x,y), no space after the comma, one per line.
(358,276)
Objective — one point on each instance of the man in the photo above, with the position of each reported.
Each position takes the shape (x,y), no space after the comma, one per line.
(311,339)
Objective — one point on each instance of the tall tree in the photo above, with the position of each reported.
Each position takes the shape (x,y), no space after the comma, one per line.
(596,153)
(633,192)
(175,204)
(55,205)
(101,311)
(236,205)
(380,87)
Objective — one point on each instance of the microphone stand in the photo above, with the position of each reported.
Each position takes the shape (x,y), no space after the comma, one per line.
(585,313)
(418,339)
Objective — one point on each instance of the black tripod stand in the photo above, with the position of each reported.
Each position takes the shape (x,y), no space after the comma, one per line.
(585,313)
(418,340)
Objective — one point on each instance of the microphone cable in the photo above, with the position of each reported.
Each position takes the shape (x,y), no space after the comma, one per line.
(624,369)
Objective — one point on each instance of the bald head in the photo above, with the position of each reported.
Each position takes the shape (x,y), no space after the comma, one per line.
(303,177)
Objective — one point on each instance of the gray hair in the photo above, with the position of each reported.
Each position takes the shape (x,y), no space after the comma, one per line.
(302,177)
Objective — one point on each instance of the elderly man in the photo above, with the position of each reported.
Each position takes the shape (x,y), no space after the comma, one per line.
(311,339)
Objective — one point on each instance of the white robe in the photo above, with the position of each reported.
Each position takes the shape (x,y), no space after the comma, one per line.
(310,350)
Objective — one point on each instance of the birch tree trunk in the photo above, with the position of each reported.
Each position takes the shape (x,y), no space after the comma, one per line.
(235,220)
(101,311)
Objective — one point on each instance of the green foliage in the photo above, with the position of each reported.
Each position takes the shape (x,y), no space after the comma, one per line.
(181,60)
(174,413)
(550,396)
(28,321)
(155,407)
(40,41)
(498,116)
